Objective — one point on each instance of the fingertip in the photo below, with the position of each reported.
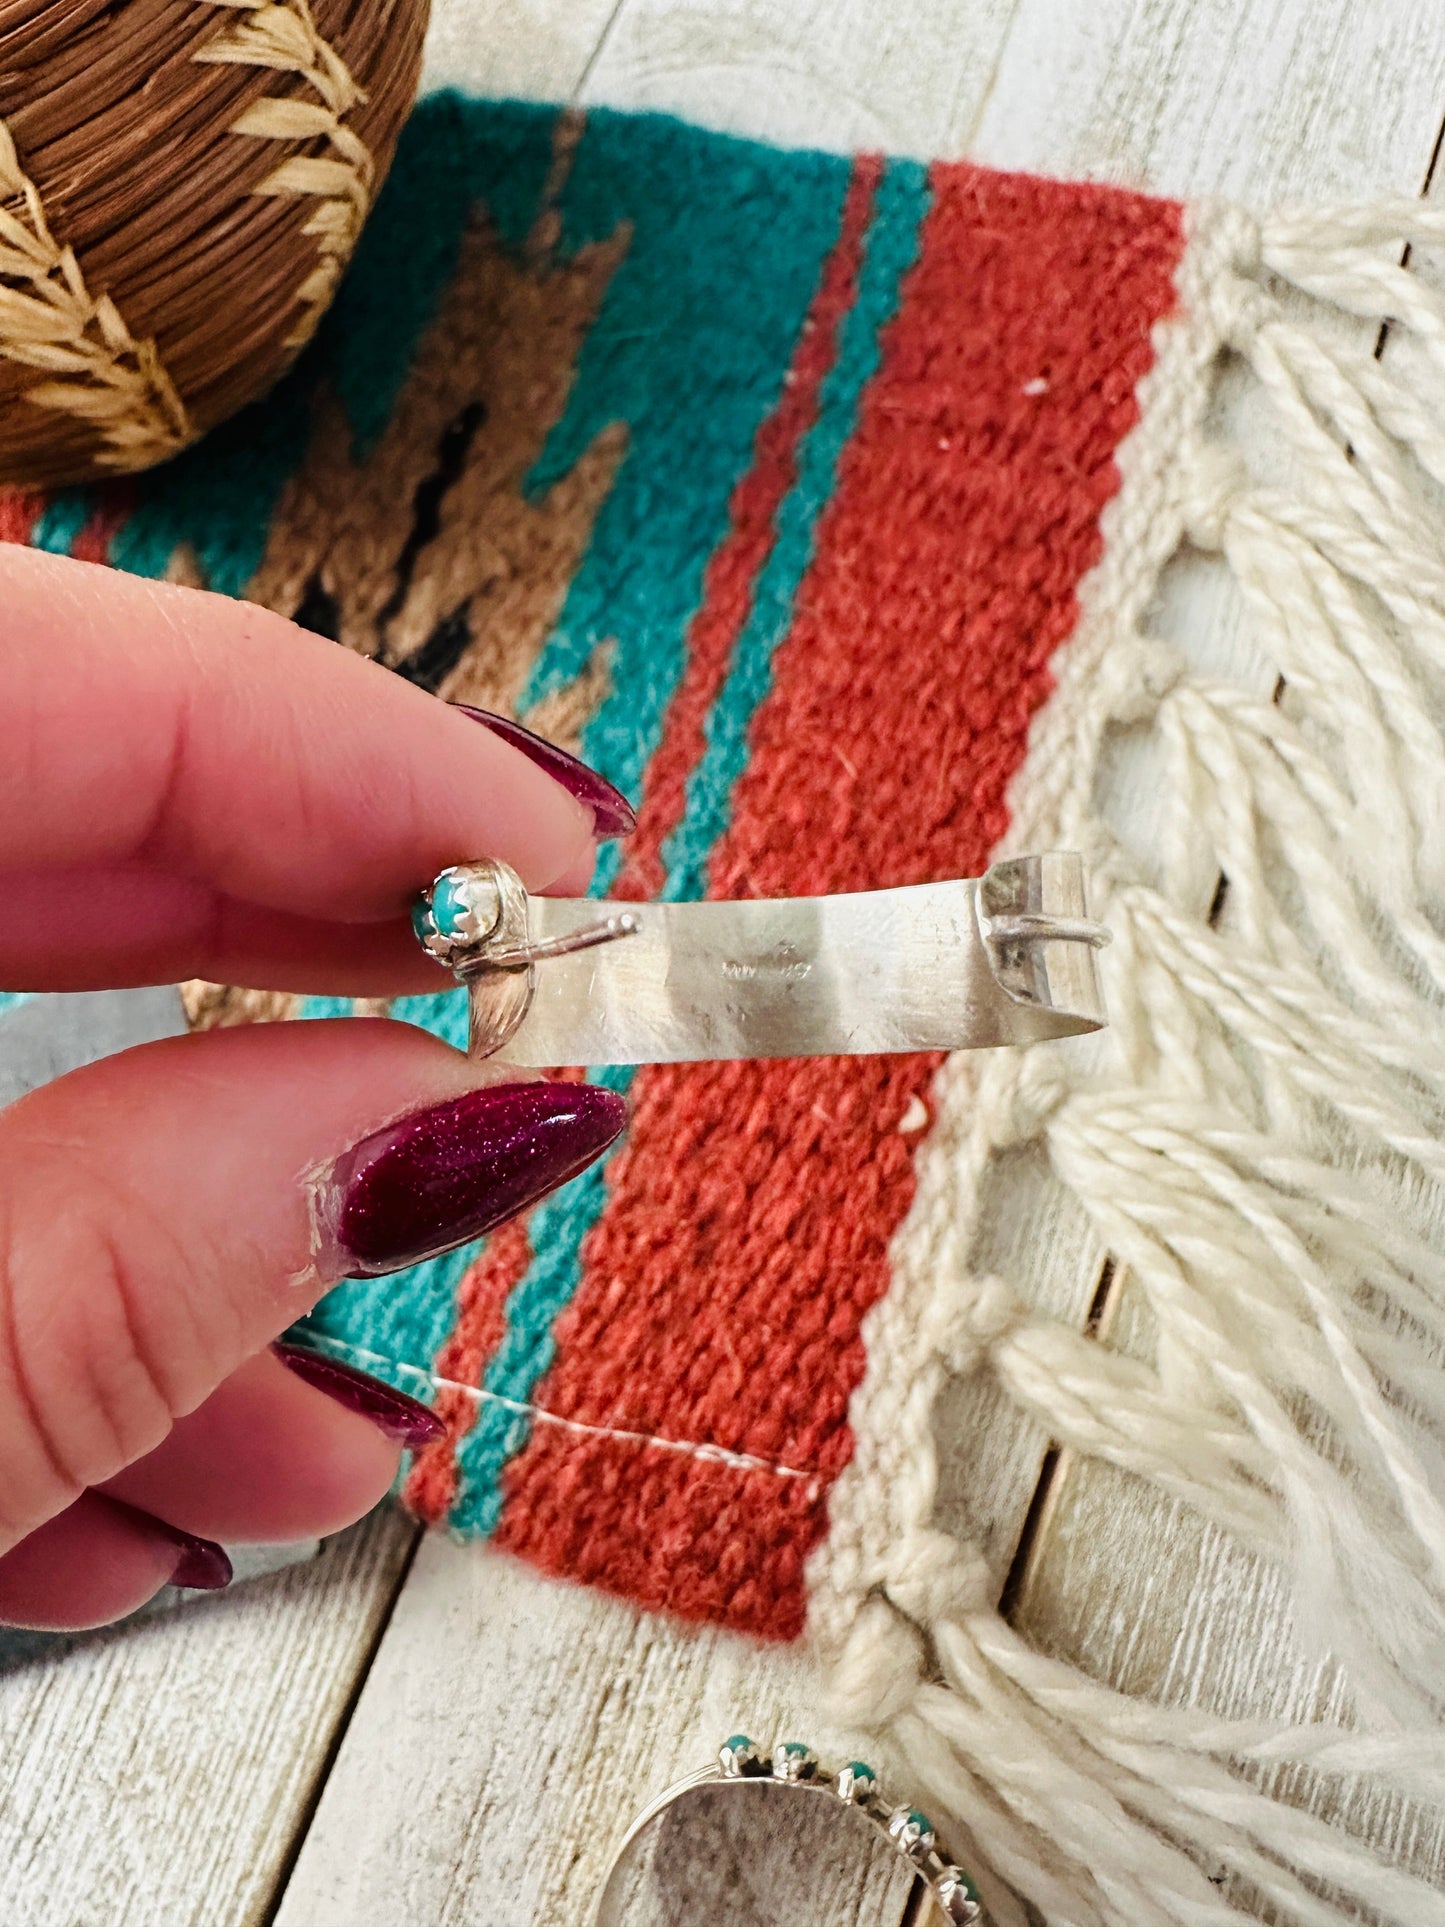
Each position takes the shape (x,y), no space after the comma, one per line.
(91,1564)
(216,740)
(403,1420)
(271,1454)
(576,880)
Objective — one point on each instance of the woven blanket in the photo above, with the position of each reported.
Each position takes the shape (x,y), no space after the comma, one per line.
(822,505)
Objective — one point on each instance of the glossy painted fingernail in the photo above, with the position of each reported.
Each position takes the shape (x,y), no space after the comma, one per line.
(447,1175)
(202,1566)
(612,814)
(403,1420)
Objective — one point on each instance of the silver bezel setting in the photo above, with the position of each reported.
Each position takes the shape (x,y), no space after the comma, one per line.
(792,1761)
(796,1767)
(475,887)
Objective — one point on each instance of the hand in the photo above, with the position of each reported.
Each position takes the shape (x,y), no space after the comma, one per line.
(192,787)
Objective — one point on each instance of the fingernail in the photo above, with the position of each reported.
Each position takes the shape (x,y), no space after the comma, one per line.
(452,1173)
(202,1566)
(612,814)
(403,1420)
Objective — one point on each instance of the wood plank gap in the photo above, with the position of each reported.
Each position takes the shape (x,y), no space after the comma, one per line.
(574,99)
(1018,1571)
(1100,1299)
(306,1813)
(1430,166)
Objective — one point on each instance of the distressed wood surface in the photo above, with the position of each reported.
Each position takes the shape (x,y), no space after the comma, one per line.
(522,49)
(155,1775)
(47,1036)
(508,1727)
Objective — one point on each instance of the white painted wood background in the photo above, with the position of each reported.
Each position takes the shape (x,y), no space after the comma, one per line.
(426,1737)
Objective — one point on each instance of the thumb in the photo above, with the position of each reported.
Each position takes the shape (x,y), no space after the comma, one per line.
(166,1213)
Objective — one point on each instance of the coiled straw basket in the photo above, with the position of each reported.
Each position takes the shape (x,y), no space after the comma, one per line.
(181,185)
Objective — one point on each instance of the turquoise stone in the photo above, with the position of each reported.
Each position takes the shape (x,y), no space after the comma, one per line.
(738,1758)
(861,1770)
(421,920)
(448,906)
(912,1830)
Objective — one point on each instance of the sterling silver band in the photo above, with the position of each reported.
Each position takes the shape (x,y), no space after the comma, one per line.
(1004,959)
(793,1767)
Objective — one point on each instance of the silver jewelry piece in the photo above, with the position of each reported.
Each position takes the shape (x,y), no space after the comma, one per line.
(1007,958)
(797,1768)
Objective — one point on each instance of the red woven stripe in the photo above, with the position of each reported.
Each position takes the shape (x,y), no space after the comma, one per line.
(104,522)
(462,1358)
(747,1232)
(18,515)
(732,572)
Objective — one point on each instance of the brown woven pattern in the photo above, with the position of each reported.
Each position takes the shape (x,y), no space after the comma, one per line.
(198,170)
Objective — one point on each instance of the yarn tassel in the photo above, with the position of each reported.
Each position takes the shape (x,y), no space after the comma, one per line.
(1259,1142)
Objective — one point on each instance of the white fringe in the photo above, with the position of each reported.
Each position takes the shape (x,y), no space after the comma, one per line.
(1260,1141)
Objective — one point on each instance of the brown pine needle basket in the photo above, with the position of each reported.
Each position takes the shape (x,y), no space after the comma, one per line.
(181,185)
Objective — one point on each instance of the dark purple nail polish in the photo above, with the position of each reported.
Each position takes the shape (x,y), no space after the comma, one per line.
(612,814)
(202,1565)
(403,1420)
(436,1180)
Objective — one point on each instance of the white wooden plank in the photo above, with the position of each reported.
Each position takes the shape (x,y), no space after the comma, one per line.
(522,49)
(49,1035)
(903,78)
(156,1771)
(1262,102)
(509,1730)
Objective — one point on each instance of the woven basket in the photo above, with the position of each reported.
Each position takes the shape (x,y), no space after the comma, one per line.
(181,185)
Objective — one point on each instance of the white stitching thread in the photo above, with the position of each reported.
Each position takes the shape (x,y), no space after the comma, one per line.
(687,1448)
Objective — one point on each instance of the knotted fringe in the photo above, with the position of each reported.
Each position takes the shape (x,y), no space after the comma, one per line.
(1259,1140)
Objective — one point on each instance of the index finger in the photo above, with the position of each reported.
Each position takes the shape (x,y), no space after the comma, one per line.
(145,723)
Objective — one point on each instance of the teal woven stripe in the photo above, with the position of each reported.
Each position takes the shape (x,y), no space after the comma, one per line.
(528,1348)
(392,1327)
(220,496)
(690,350)
(559,1227)
(61,520)
(892,243)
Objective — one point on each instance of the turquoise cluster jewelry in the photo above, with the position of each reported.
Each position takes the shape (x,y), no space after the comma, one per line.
(791,1763)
